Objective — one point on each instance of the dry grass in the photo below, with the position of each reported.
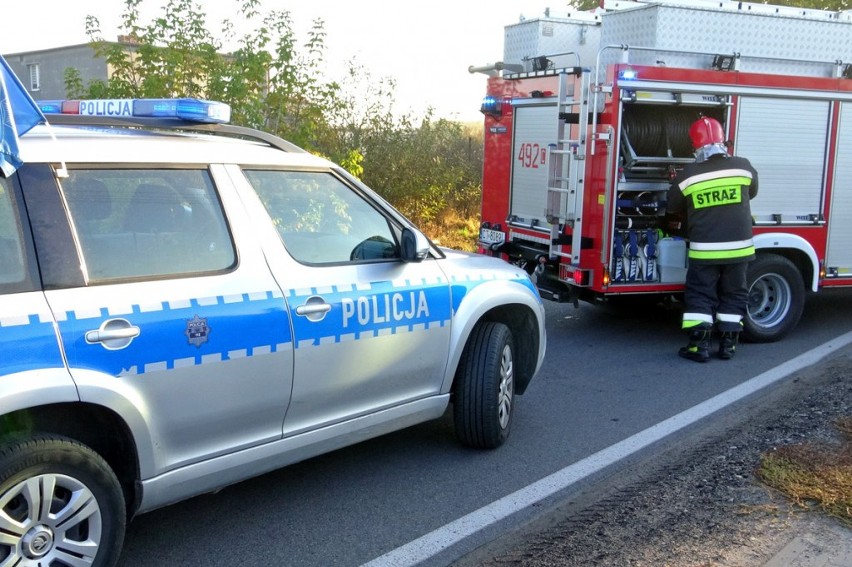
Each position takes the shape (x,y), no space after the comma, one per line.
(814,474)
(453,230)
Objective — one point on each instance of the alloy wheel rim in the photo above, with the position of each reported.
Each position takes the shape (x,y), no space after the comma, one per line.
(507,386)
(47,518)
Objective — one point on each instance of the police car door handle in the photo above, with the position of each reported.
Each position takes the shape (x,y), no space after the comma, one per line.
(113,334)
(101,336)
(314,308)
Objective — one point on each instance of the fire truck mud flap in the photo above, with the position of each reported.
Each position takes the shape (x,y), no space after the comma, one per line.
(558,292)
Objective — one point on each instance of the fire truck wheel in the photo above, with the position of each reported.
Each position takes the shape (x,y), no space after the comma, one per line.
(485,386)
(776,298)
(61,502)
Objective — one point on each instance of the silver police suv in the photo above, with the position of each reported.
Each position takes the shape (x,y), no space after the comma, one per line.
(185,305)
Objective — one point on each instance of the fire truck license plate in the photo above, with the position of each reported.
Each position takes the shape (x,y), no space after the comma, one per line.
(489,236)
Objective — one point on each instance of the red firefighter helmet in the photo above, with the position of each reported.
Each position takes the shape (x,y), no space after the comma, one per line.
(706,131)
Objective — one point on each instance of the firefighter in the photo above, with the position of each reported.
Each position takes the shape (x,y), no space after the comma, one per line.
(711,198)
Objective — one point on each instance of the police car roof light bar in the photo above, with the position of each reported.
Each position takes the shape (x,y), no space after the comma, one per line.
(182,114)
(231,130)
(190,109)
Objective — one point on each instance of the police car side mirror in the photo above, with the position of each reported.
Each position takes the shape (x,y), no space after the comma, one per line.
(414,245)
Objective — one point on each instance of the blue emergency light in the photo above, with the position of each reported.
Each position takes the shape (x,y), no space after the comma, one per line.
(490,105)
(628,74)
(191,109)
(50,106)
(494,106)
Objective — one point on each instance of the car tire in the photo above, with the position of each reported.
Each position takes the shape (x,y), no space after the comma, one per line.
(776,298)
(86,518)
(485,387)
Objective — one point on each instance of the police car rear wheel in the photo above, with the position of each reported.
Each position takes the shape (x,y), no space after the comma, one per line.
(60,504)
(776,298)
(485,387)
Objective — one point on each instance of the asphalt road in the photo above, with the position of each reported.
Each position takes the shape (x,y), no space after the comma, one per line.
(606,377)
(699,502)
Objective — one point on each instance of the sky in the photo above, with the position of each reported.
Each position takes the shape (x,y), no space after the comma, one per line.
(426,47)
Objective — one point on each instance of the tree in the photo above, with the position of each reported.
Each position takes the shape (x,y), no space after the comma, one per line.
(584,4)
(268,81)
(830,5)
(426,167)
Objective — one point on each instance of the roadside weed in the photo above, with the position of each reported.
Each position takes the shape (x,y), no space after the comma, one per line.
(814,474)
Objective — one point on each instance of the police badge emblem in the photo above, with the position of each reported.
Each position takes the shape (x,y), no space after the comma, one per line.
(197,331)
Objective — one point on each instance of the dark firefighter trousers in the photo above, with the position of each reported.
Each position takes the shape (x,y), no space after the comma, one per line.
(718,291)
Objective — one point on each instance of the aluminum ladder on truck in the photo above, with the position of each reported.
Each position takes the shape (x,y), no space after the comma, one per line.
(567,161)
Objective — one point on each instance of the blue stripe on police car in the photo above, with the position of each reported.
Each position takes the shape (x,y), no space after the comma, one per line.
(28,343)
(170,334)
(370,311)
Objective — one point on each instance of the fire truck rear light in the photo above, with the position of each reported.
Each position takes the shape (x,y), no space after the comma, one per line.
(570,274)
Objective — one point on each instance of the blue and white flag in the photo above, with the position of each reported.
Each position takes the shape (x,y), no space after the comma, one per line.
(18,114)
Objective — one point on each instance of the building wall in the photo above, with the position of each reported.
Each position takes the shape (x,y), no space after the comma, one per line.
(52,64)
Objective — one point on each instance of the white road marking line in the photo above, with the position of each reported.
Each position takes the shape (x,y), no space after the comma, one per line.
(431,544)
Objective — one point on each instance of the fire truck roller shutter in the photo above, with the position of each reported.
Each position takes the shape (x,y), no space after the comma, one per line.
(838,258)
(535,127)
(785,141)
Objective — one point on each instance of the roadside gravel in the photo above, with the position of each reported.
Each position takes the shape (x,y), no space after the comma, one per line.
(699,505)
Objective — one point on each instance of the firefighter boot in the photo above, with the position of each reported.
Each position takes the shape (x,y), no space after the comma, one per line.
(728,345)
(698,348)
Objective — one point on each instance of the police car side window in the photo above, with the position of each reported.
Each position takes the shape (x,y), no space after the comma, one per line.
(321,220)
(12,266)
(147,223)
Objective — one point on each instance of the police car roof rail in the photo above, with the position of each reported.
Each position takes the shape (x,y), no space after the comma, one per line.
(175,124)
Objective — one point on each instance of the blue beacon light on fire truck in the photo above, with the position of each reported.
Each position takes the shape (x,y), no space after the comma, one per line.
(494,106)
(628,74)
(490,105)
(179,108)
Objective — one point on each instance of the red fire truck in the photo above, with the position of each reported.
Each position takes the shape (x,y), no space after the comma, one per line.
(578,159)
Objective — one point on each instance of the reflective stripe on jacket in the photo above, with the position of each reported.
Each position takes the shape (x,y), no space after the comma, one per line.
(714,196)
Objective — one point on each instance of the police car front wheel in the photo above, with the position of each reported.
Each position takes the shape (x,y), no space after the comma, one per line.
(61,504)
(485,387)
